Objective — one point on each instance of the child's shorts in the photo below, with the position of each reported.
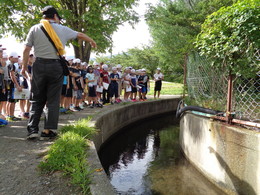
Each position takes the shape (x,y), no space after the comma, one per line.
(10,96)
(92,92)
(68,93)
(113,90)
(134,89)
(158,86)
(144,89)
(79,94)
(64,89)
(3,96)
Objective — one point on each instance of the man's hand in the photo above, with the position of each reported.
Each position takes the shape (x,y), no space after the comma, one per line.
(93,44)
(85,37)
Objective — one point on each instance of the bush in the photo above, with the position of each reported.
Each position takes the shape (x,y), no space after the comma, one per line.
(231,38)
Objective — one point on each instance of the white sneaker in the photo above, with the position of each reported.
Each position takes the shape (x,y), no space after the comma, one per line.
(81,106)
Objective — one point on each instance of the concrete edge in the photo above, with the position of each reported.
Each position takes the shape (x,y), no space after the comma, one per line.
(100,182)
(233,154)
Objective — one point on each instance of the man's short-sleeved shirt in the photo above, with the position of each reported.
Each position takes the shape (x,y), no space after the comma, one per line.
(158,76)
(42,46)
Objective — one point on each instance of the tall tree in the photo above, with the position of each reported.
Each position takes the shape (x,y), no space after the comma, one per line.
(97,18)
(174,26)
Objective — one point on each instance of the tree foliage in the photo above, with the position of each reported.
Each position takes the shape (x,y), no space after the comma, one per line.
(97,18)
(174,26)
(136,58)
(231,38)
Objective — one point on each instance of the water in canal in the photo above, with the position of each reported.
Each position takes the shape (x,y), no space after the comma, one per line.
(145,158)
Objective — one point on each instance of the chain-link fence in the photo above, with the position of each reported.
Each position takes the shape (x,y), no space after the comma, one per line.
(246,101)
(208,87)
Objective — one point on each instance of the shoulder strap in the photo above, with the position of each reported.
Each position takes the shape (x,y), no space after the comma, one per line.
(48,36)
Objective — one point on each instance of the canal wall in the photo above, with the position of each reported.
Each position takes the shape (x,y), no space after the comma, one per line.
(109,122)
(227,155)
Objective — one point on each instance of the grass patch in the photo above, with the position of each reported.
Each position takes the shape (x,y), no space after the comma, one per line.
(168,88)
(81,127)
(68,154)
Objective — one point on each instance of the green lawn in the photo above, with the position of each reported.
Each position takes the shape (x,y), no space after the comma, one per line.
(168,88)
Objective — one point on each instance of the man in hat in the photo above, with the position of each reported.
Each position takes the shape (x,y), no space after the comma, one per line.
(47,76)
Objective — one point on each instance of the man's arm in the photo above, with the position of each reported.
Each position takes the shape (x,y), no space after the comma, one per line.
(26,53)
(84,37)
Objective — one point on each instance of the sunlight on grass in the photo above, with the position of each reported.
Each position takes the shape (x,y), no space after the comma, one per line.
(168,88)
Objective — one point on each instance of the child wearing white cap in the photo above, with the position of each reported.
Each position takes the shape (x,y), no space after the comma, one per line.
(13,84)
(97,82)
(113,88)
(105,81)
(120,80)
(127,84)
(134,85)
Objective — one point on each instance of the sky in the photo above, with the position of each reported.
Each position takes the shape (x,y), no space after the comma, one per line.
(125,38)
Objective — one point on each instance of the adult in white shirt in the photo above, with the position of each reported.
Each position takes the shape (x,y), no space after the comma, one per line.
(158,77)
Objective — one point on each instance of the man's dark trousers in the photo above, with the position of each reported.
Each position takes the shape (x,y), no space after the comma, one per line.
(47,79)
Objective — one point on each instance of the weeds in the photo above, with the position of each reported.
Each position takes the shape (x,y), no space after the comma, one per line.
(68,154)
(81,128)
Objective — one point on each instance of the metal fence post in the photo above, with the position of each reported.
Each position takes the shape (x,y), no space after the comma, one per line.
(229,98)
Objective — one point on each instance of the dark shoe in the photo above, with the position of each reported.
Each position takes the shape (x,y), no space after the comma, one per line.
(32,136)
(26,115)
(77,108)
(17,118)
(50,135)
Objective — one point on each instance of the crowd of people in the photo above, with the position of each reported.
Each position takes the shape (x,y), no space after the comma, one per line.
(90,86)
(12,83)
(99,84)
